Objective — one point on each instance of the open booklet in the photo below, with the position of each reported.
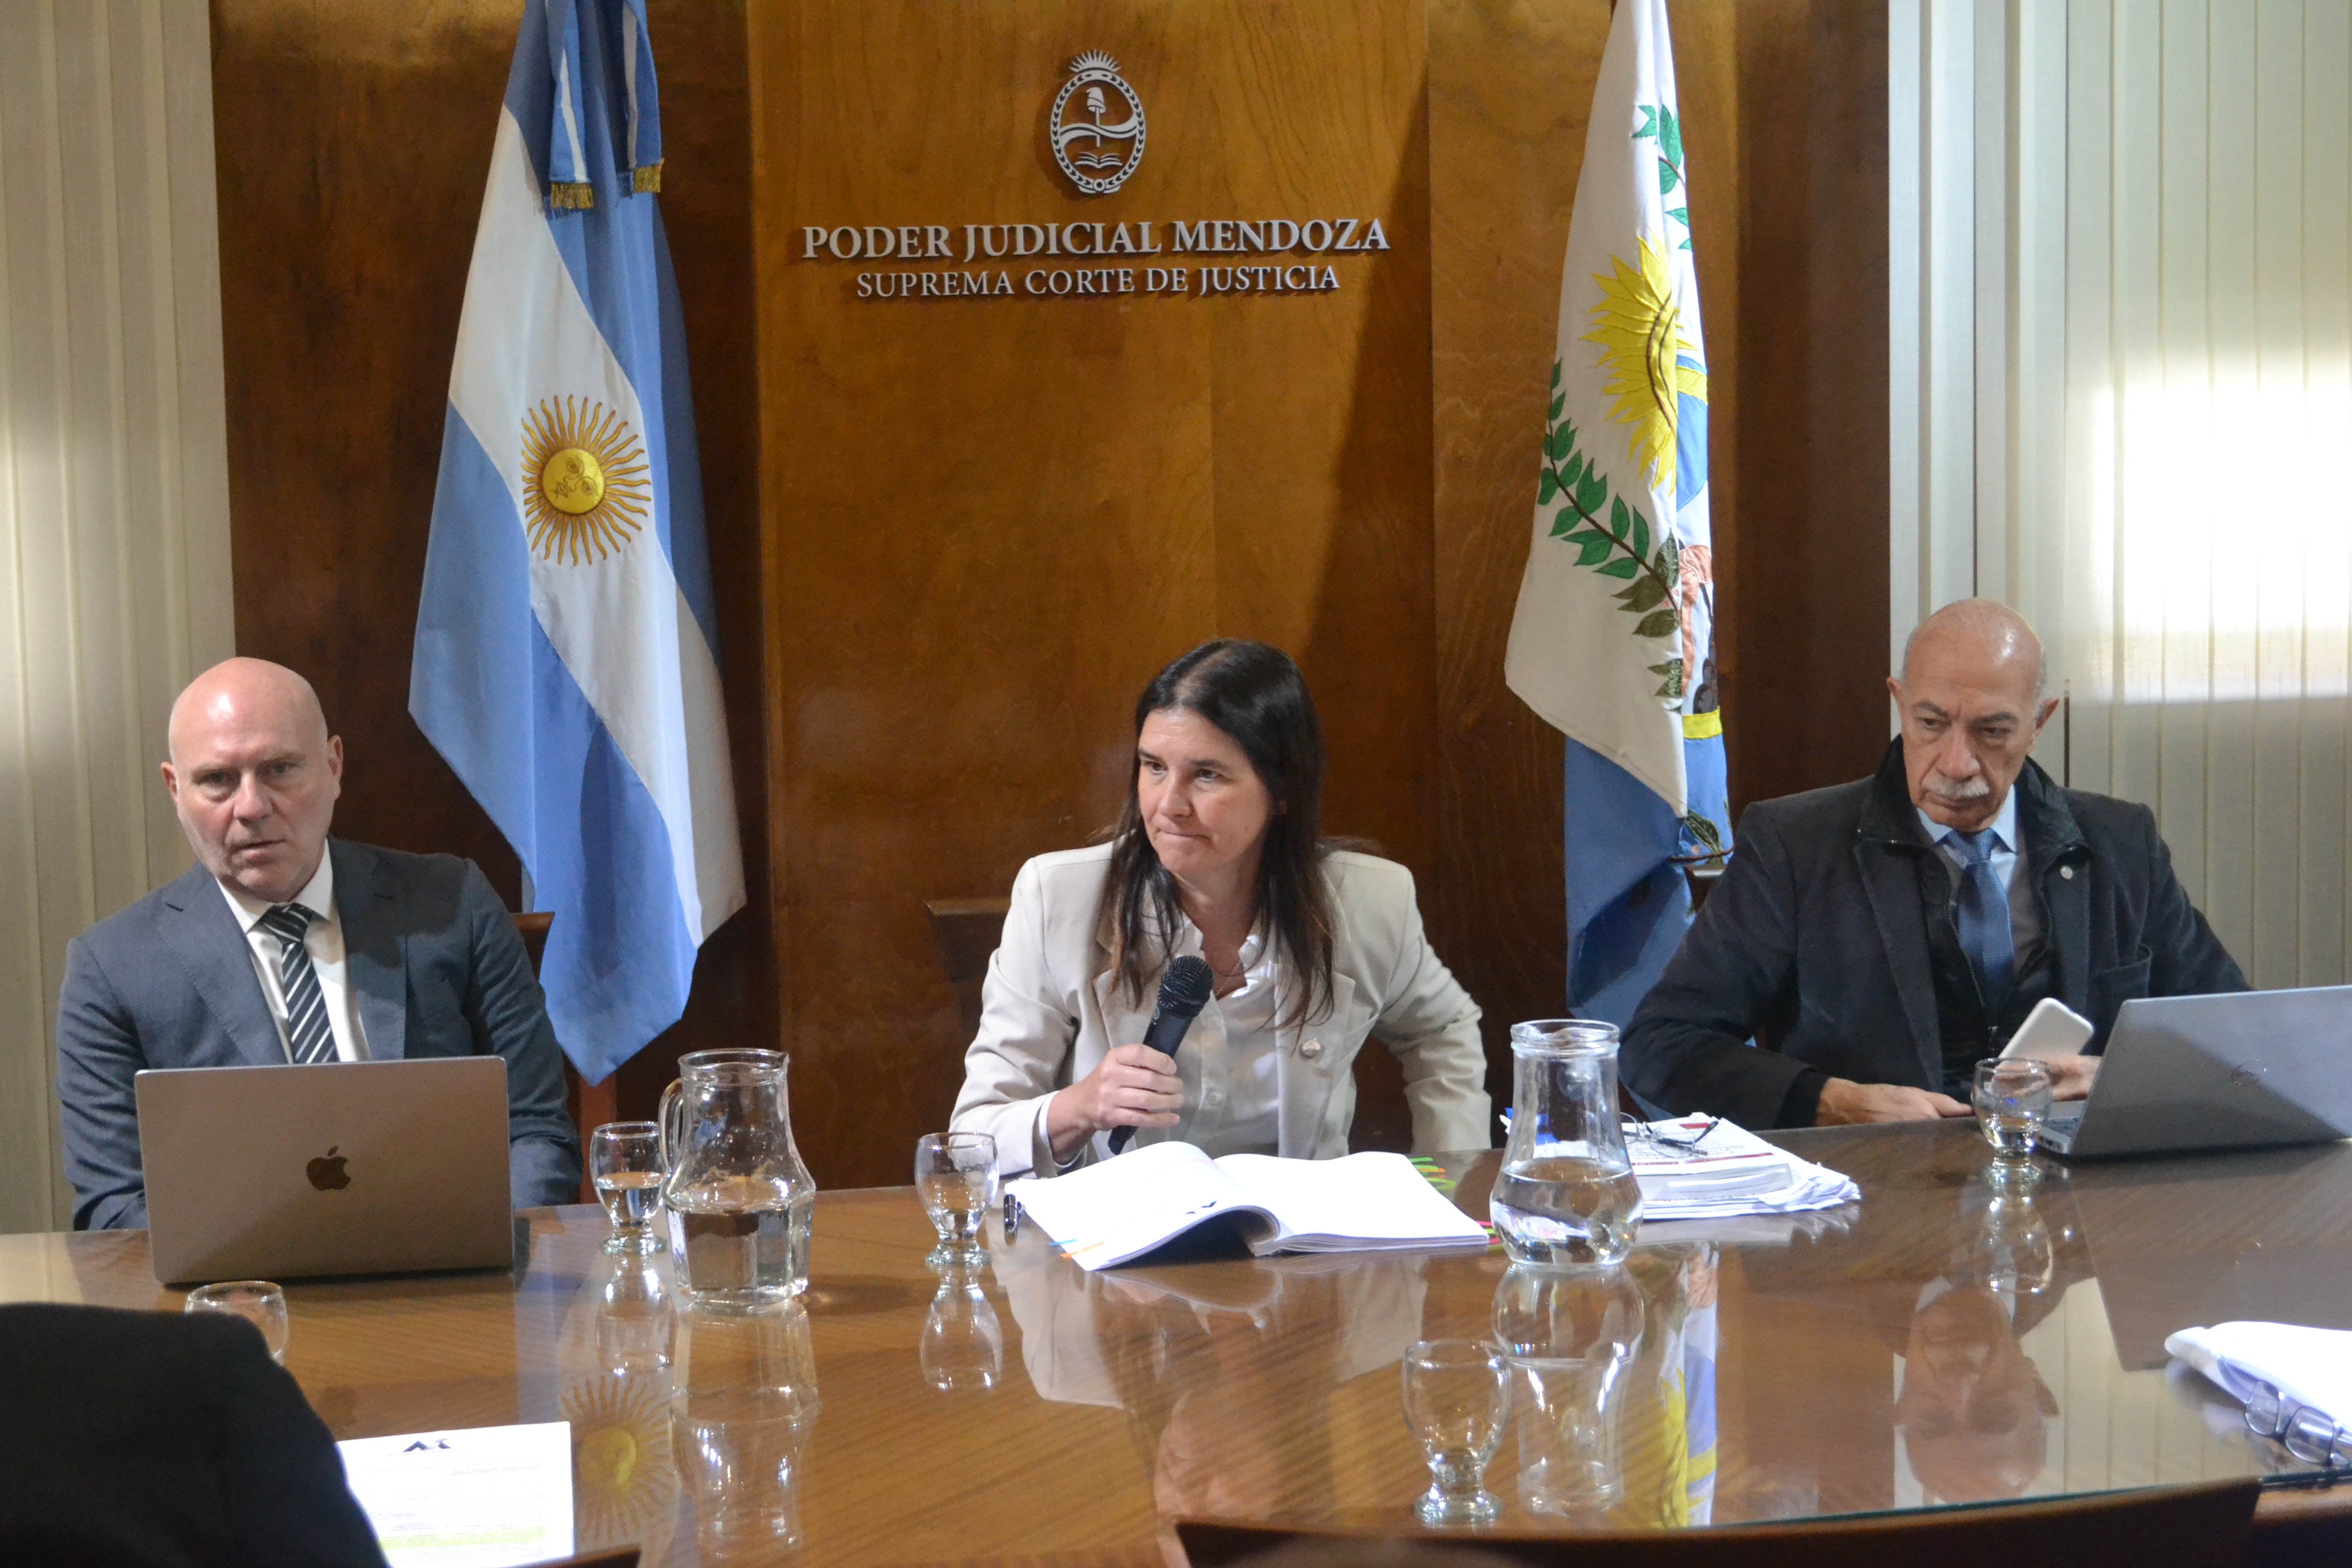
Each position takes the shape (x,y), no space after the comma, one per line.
(1117,1211)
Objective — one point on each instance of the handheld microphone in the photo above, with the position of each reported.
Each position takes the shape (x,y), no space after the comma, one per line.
(1184,992)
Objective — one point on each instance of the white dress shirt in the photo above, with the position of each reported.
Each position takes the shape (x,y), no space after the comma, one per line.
(324,940)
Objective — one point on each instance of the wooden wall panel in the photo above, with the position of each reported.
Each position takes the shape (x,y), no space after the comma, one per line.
(1804,596)
(990,520)
(967,530)
(352,142)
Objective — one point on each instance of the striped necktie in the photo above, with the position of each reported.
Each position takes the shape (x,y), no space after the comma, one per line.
(309,1036)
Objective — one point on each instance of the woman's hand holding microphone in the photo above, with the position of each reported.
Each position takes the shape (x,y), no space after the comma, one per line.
(1134,1087)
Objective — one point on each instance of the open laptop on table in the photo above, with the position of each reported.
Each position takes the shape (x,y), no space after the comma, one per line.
(282,1173)
(2247,1070)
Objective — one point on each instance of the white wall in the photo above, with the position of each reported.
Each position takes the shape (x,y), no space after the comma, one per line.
(114,566)
(2123,352)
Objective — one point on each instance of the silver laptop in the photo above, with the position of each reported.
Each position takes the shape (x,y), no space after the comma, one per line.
(2247,1070)
(282,1173)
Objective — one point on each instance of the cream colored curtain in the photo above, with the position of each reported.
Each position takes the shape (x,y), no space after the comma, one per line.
(2153,277)
(114,574)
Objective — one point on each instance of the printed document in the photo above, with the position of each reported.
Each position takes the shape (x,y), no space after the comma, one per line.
(482,1497)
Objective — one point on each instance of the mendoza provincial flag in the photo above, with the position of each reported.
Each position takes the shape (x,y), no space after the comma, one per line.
(1613,642)
(566,659)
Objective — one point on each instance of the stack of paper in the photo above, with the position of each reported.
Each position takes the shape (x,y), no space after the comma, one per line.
(1702,1168)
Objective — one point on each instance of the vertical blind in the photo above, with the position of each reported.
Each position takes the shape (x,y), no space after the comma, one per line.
(114,576)
(2208,593)
(2159,273)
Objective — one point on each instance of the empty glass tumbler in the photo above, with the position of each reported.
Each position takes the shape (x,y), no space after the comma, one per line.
(1457,1400)
(740,1203)
(1566,1194)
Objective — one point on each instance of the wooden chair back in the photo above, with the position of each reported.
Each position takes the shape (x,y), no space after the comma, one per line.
(590,1105)
(966,932)
(2163,1527)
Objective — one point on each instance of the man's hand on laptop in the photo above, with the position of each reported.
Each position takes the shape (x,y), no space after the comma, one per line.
(1845,1102)
(2070,1077)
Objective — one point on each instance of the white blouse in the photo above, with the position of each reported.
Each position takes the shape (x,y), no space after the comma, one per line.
(1229,1061)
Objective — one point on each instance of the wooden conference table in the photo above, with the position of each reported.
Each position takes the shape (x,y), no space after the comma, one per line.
(1940,1341)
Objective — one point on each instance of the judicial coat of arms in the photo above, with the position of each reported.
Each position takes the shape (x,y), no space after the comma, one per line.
(1097,152)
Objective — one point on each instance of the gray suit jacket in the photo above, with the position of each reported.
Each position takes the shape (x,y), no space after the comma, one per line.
(430,955)
(1816,946)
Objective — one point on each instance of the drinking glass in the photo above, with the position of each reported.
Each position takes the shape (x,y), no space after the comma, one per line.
(1457,1399)
(962,1344)
(2012,1102)
(257,1301)
(624,1162)
(955,1174)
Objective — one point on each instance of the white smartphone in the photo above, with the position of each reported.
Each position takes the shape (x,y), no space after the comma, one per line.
(2051,1030)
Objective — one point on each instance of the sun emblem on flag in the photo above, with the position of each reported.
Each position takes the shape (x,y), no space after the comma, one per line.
(1639,325)
(620,1456)
(585,489)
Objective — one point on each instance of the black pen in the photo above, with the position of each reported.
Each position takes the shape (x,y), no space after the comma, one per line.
(2301,1480)
(1011,1217)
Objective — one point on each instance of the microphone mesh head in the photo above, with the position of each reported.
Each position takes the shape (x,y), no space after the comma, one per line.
(1184,990)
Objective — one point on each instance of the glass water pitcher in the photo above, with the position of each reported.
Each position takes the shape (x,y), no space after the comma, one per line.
(1566,1195)
(740,1203)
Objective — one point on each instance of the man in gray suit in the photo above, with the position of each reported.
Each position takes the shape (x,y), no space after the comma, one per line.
(282,946)
(1879,938)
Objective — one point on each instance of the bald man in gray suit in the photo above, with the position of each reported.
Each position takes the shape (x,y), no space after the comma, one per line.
(283,946)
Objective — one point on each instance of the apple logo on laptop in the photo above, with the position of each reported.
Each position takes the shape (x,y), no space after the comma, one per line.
(326,1171)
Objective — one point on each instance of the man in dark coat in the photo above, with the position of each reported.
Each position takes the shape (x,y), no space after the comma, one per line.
(1880,938)
(155,1440)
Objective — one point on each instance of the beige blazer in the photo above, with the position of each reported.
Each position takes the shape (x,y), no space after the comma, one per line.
(1051,1011)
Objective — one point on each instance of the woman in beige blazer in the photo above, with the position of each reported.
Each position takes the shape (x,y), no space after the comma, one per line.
(1314,950)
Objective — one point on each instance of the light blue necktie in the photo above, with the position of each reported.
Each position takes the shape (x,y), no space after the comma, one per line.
(1985,933)
(310,1037)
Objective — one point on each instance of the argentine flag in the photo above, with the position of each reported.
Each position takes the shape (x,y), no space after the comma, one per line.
(566,645)
(1613,639)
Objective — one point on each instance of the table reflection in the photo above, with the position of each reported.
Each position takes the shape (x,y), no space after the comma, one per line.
(1614,1395)
(1974,1410)
(962,1345)
(685,1424)
(1218,1368)
(744,1402)
(1949,1299)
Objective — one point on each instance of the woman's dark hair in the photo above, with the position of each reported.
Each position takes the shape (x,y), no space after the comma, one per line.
(1254,694)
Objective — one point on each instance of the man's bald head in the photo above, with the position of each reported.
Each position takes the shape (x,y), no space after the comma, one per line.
(244,689)
(1983,629)
(1971,705)
(253,775)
